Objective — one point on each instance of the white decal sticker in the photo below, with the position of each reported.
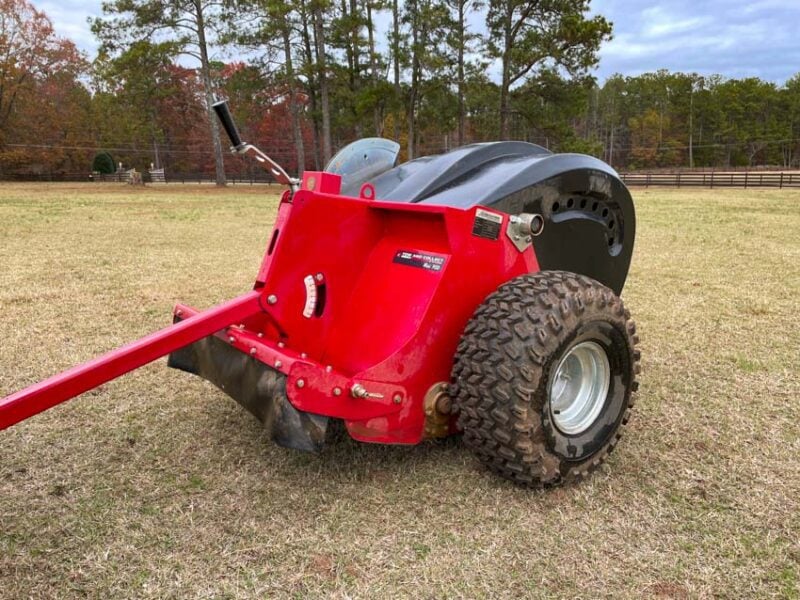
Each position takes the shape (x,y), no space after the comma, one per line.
(485,214)
(311,297)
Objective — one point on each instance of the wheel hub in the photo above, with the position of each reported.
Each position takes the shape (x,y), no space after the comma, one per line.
(579,388)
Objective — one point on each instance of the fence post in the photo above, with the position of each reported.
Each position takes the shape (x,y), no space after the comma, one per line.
(712,179)
(679,179)
(745,180)
(647,181)
(780,185)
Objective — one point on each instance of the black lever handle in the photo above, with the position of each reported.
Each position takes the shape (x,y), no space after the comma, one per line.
(224,114)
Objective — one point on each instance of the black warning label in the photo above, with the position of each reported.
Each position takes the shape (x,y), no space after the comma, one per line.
(421,260)
(487,224)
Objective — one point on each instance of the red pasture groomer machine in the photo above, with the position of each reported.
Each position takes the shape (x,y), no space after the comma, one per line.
(476,291)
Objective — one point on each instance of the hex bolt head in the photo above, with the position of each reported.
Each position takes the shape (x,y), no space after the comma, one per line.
(320,277)
(337,391)
(261,335)
(179,313)
(397,398)
(253,351)
(231,339)
(278,364)
(328,369)
(281,345)
(301,383)
(303,355)
(272,299)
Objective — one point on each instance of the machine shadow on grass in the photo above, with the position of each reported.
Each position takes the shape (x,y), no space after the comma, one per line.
(342,458)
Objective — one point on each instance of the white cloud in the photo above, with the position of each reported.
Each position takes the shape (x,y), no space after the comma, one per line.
(670,27)
(732,38)
(69,19)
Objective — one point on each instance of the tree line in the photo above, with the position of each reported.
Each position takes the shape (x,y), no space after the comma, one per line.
(305,77)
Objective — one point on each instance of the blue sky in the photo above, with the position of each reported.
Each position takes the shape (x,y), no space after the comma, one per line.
(734,38)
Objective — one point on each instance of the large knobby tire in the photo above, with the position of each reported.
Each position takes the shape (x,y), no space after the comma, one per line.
(530,330)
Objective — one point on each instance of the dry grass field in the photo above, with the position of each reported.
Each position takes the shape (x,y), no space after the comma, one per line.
(159,486)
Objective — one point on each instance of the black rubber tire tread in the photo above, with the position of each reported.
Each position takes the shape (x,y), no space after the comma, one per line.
(502,368)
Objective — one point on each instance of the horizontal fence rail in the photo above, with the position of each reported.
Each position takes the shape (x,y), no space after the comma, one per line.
(147,177)
(711,179)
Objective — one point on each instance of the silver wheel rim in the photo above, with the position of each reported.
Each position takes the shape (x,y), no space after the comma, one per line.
(579,388)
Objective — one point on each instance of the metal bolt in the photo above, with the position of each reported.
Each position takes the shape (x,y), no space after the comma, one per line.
(261,335)
(320,277)
(253,351)
(179,313)
(337,391)
(301,383)
(232,339)
(397,398)
(281,345)
(278,364)
(303,355)
(272,299)
(328,369)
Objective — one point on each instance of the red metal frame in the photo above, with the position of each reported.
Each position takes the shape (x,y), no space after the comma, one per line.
(382,318)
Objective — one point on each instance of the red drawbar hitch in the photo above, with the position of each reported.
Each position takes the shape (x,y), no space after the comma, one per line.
(59,388)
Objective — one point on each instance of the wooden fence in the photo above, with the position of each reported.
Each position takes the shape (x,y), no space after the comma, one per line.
(710,179)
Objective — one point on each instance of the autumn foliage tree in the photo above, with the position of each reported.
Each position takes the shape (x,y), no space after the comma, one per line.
(184,27)
(39,74)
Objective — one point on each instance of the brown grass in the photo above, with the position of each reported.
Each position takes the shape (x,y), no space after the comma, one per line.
(159,486)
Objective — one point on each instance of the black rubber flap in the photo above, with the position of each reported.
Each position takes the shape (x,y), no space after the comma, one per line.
(257,387)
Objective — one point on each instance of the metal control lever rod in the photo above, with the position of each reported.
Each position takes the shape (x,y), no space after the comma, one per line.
(240,147)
